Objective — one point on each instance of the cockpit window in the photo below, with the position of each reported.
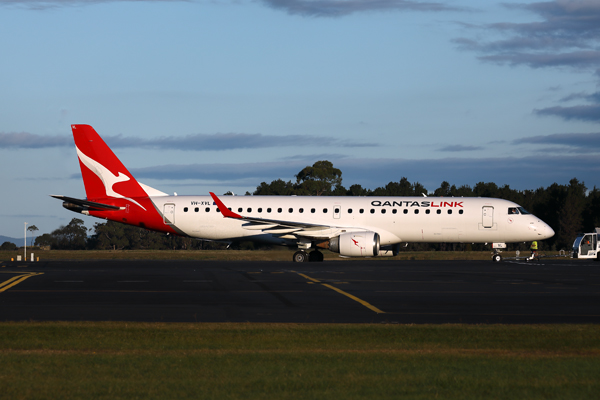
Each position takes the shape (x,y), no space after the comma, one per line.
(512,210)
(523,211)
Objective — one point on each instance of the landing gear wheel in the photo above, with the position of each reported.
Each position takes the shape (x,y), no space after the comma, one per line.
(496,258)
(315,256)
(300,256)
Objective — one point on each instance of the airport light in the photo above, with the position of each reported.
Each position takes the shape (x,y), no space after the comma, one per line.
(25,243)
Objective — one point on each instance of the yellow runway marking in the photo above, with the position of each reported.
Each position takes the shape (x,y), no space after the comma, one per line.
(364,303)
(15,280)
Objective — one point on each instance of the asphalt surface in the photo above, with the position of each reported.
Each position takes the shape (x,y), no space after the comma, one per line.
(365,291)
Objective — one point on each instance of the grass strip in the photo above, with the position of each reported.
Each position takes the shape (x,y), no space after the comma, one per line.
(100,360)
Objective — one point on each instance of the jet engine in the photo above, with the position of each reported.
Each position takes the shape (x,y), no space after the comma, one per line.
(355,244)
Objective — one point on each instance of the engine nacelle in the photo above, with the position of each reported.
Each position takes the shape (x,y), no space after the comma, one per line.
(355,244)
(76,208)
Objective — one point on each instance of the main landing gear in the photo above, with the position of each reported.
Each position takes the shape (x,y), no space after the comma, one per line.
(303,256)
(496,257)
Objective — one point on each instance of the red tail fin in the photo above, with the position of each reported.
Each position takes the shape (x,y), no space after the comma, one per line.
(104,176)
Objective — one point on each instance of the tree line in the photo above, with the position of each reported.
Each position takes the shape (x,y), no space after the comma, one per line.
(568,209)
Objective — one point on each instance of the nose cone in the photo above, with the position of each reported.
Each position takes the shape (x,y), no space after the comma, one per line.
(547,232)
(540,229)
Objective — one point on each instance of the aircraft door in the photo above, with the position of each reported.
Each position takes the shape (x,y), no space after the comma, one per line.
(169,214)
(487,216)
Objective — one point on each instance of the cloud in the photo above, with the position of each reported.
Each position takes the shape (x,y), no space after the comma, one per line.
(567,35)
(458,147)
(309,157)
(24,140)
(589,113)
(520,173)
(580,142)
(220,172)
(46,4)
(230,141)
(195,142)
(578,59)
(307,8)
(340,8)
(579,96)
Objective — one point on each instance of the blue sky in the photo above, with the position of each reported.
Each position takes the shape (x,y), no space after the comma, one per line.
(198,96)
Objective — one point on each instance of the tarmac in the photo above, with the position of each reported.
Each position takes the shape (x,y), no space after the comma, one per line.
(354,291)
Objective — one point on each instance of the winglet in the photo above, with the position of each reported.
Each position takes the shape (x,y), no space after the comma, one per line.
(227,213)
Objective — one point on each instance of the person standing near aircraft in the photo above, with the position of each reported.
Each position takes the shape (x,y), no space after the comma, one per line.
(533,248)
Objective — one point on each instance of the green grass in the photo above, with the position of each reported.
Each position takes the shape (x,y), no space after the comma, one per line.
(280,361)
(236,255)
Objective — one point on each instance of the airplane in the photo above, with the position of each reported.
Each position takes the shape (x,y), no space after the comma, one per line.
(351,226)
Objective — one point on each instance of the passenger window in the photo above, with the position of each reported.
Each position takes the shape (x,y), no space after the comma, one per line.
(207,209)
(349,211)
(196,209)
(291,210)
(279,210)
(449,211)
(416,210)
(218,210)
(269,209)
(185,209)
(383,210)
(324,211)
(336,210)
(427,211)
(249,209)
(260,210)
(301,210)
(460,211)
(240,209)
(405,211)
(361,211)
(394,211)
(372,211)
(439,211)
(312,210)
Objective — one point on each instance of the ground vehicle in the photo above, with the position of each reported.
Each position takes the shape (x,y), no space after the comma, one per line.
(586,245)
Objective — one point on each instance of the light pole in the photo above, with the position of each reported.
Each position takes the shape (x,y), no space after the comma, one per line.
(25,243)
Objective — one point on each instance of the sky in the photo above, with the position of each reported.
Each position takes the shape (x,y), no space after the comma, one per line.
(197,96)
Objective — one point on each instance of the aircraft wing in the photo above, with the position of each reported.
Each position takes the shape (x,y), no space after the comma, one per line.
(88,205)
(276,226)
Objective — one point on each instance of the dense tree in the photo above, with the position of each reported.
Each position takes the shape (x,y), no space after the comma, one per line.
(570,220)
(32,229)
(276,188)
(45,240)
(71,237)
(8,246)
(318,180)
(591,213)
(357,190)
(110,235)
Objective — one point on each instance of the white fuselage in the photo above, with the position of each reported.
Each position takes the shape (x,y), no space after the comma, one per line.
(395,219)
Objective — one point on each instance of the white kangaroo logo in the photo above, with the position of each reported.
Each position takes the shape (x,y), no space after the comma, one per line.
(108,178)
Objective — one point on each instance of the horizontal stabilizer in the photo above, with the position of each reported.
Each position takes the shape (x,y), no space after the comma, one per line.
(88,205)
